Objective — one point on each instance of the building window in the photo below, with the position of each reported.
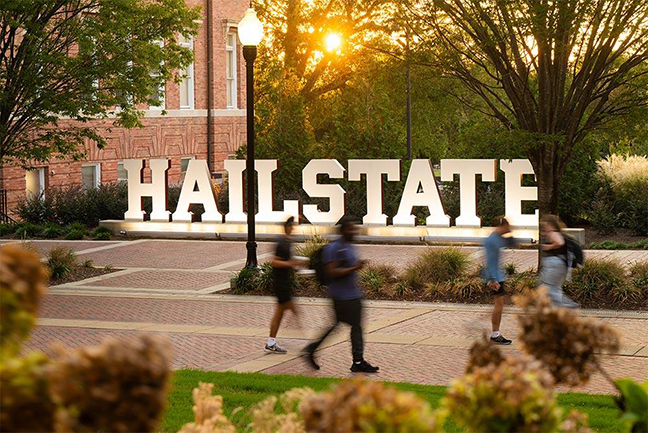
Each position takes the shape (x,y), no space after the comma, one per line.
(230,69)
(122,174)
(90,176)
(184,164)
(160,91)
(187,83)
(35,182)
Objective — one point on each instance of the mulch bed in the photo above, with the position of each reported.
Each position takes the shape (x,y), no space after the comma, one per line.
(313,291)
(81,273)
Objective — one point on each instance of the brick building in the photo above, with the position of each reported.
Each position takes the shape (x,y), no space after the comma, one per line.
(205,117)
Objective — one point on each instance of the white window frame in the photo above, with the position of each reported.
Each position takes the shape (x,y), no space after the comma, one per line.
(188,43)
(162,89)
(97,170)
(41,181)
(232,82)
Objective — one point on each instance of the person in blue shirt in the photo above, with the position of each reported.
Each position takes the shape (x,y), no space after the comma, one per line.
(341,264)
(494,275)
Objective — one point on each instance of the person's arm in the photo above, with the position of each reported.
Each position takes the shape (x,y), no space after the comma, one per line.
(279,263)
(554,241)
(334,270)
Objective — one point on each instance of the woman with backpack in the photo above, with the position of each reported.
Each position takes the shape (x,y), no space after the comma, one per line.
(555,261)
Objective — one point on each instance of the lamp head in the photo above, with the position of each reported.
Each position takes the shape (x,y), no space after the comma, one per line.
(250,29)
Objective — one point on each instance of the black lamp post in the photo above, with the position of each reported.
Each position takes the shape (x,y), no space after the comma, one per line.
(250,31)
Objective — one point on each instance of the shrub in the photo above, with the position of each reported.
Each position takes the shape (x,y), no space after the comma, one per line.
(437,265)
(244,281)
(510,268)
(208,412)
(564,342)
(462,289)
(367,406)
(61,261)
(75,231)
(639,277)
(51,231)
(513,395)
(310,248)
(613,245)
(265,277)
(596,279)
(374,278)
(73,204)
(118,386)
(102,233)
(27,230)
(6,229)
(268,416)
(88,263)
(22,287)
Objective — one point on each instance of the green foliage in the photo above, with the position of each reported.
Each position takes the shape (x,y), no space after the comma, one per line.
(614,245)
(639,277)
(115,45)
(87,263)
(375,278)
(27,230)
(61,261)
(510,268)
(265,278)
(633,403)
(6,229)
(245,281)
(437,265)
(71,204)
(602,279)
(51,231)
(102,233)
(310,248)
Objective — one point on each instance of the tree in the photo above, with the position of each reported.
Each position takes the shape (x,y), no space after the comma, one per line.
(81,60)
(550,71)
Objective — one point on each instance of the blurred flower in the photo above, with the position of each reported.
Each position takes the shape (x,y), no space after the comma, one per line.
(208,412)
(576,422)
(25,402)
(368,406)
(266,418)
(483,353)
(564,342)
(23,280)
(513,395)
(118,386)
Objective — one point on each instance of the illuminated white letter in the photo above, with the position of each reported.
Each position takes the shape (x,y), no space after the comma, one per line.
(374,169)
(335,193)
(421,175)
(515,193)
(467,169)
(157,189)
(197,189)
(235,168)
(265,168)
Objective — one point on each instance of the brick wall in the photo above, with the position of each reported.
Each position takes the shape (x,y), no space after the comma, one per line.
(181,133)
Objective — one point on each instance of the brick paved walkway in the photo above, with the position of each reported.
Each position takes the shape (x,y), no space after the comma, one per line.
(167,287)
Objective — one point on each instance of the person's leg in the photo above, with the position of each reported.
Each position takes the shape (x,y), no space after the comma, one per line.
(552,276)
(276,320)
(498,307)
(312,347)
(353,317)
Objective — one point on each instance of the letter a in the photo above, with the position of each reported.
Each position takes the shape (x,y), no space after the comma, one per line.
(157,189)
(421,174)
(197,175)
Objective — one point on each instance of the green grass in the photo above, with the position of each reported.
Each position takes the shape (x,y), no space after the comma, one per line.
(246,389)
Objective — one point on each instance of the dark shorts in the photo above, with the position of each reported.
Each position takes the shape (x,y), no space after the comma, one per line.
(283,294)
(500,292)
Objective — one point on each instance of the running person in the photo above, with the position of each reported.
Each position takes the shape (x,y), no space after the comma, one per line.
(553,265)
(283,267)
(494,276)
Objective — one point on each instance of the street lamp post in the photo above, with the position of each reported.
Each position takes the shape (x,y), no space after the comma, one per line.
(250,31)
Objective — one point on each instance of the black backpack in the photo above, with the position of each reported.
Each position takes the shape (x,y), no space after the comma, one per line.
(320,270)
(575,255)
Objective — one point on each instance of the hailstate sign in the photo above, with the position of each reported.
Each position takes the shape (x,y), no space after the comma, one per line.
(420,190)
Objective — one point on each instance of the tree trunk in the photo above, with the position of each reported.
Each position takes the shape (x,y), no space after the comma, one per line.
(548,177)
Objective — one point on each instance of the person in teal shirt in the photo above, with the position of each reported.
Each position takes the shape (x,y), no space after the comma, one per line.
(494,275)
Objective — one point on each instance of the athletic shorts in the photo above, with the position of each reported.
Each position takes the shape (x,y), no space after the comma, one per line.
(283,294)
(498,292)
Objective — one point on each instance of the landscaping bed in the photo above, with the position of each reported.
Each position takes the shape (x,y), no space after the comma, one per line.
(243,390)
(81,273)
(447,275)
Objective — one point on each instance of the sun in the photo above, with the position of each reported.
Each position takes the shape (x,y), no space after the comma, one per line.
(332,42)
